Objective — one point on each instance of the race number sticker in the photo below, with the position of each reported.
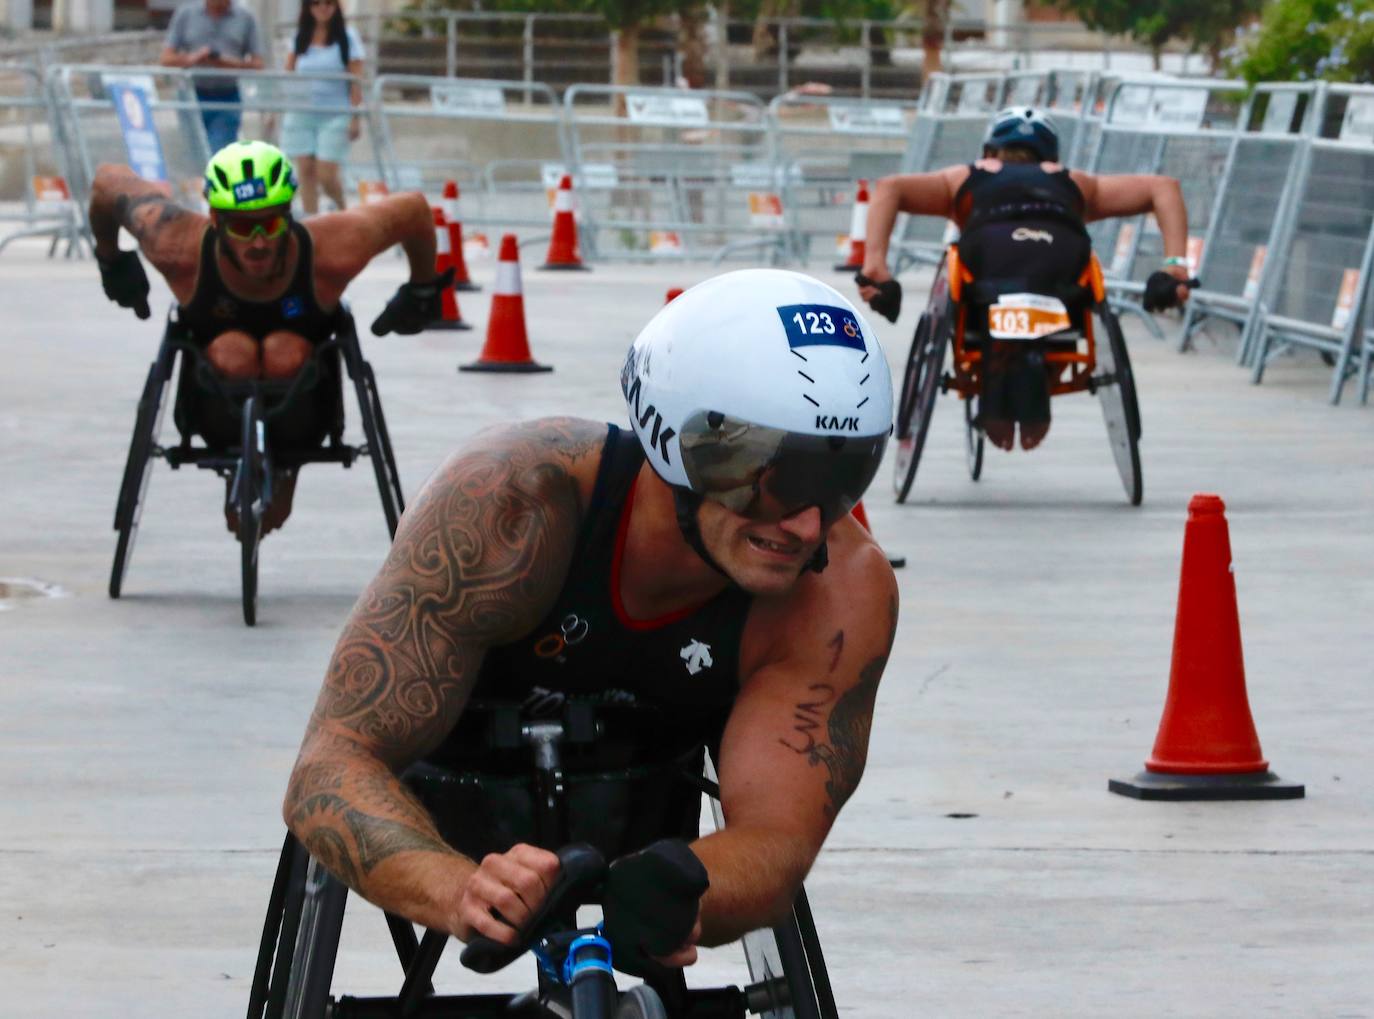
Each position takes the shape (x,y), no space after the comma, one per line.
(1026,317)
(812,325)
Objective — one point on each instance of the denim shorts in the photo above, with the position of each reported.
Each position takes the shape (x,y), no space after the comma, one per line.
(322,135)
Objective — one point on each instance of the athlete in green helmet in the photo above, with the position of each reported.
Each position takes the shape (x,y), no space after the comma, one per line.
(256,287)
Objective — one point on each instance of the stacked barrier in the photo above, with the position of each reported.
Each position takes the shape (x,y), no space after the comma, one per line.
(822,145)
(1318,297)
(685,170)
(26,116)
(461,129)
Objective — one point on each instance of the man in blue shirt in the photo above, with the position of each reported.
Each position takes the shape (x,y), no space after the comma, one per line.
(215,34)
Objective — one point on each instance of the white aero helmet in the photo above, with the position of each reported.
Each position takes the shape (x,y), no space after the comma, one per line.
(763,390)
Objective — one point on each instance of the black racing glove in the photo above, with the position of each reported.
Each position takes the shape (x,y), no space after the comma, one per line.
(1161,290)
(415,306)
(651,902)
(888,302)
(125,282)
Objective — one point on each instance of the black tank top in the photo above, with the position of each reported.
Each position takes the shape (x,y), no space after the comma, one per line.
(213,308)
(1017,191)
(671,680)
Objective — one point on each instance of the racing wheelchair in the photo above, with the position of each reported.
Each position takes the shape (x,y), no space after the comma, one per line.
(248,430)
(553,805)
(972,316)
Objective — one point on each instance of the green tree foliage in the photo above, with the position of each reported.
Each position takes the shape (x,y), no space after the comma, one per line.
(1299,40)
(1205,25)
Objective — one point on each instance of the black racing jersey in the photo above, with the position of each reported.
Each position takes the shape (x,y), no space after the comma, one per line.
(672,679)
(1017,191)
(213,309)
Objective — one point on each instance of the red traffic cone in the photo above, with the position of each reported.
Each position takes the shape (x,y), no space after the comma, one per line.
(563,253)
(858,231)
(461,279)
(672,293)
(1206,747)
(508,347)
(861,515)
(449,316)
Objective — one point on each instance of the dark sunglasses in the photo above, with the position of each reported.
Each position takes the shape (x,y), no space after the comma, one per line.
(245,228)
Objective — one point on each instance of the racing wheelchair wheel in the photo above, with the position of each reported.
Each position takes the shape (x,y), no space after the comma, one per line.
(973,440)
(250,488)
(1120,410)
(379,448)
(916,406)
(138,469)
(640,1002)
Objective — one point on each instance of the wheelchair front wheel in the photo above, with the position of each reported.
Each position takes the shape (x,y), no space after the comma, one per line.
(973,440)
(640,1002)
(249,490)
(916,406)
(1120,410)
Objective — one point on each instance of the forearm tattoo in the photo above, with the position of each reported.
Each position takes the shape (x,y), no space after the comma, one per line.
(477,561)
(145,215)
(848,717)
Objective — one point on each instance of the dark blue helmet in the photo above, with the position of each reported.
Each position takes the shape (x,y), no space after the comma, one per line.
(1026,127)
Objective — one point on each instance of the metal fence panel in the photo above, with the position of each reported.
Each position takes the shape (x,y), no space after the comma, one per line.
(500,141)
(823,145)
(26,131)
(684,164)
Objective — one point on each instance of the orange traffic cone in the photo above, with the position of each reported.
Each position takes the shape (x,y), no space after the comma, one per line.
(858,231)
(563,253)
(461,279)
(449,316)
(1206,747)
(508,347)
(861,515)
(673,292)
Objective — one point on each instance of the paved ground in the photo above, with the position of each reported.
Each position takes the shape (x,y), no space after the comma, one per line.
(144,743)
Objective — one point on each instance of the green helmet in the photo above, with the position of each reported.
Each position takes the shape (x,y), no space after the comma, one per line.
(249,175)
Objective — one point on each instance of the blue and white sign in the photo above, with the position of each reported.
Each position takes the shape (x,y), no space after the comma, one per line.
(140,133)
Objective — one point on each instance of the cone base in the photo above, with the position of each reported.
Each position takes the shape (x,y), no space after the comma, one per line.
(455,326)
(505,366)
(466,286)
(1256,785)
(566,266)
(847,267)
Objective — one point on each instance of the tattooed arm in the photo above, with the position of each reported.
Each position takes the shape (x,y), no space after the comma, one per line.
(794,748)
(477,561)
(168,235)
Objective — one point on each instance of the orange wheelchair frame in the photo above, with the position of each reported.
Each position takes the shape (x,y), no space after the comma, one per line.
(1096,363)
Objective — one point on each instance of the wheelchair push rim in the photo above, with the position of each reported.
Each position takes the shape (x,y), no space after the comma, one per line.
(916,407)
(138,471)
(1120,410)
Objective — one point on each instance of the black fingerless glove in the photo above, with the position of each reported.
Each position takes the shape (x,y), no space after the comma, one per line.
(651,901)
(414,307)
(125,282)
(1161,290)
(888,302)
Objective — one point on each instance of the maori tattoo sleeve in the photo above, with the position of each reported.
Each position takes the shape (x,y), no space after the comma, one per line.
(843,748)
(477,561)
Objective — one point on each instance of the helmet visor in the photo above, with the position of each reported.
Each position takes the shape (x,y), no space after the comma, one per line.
(770,473)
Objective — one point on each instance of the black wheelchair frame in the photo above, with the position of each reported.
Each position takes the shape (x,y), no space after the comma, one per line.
(1103,369)
(249,456)
(300,939)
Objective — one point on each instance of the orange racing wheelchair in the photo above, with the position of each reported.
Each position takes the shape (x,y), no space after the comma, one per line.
(1073,330)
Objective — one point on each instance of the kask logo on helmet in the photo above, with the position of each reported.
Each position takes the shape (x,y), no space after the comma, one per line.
(659,436)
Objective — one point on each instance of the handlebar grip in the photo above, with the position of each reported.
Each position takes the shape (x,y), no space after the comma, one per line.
(581,871)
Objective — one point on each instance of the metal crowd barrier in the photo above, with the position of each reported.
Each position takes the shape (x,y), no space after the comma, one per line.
(1318,298)
(685,171)
(1242,245)
(26,118)
(822,146)
(464,129)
